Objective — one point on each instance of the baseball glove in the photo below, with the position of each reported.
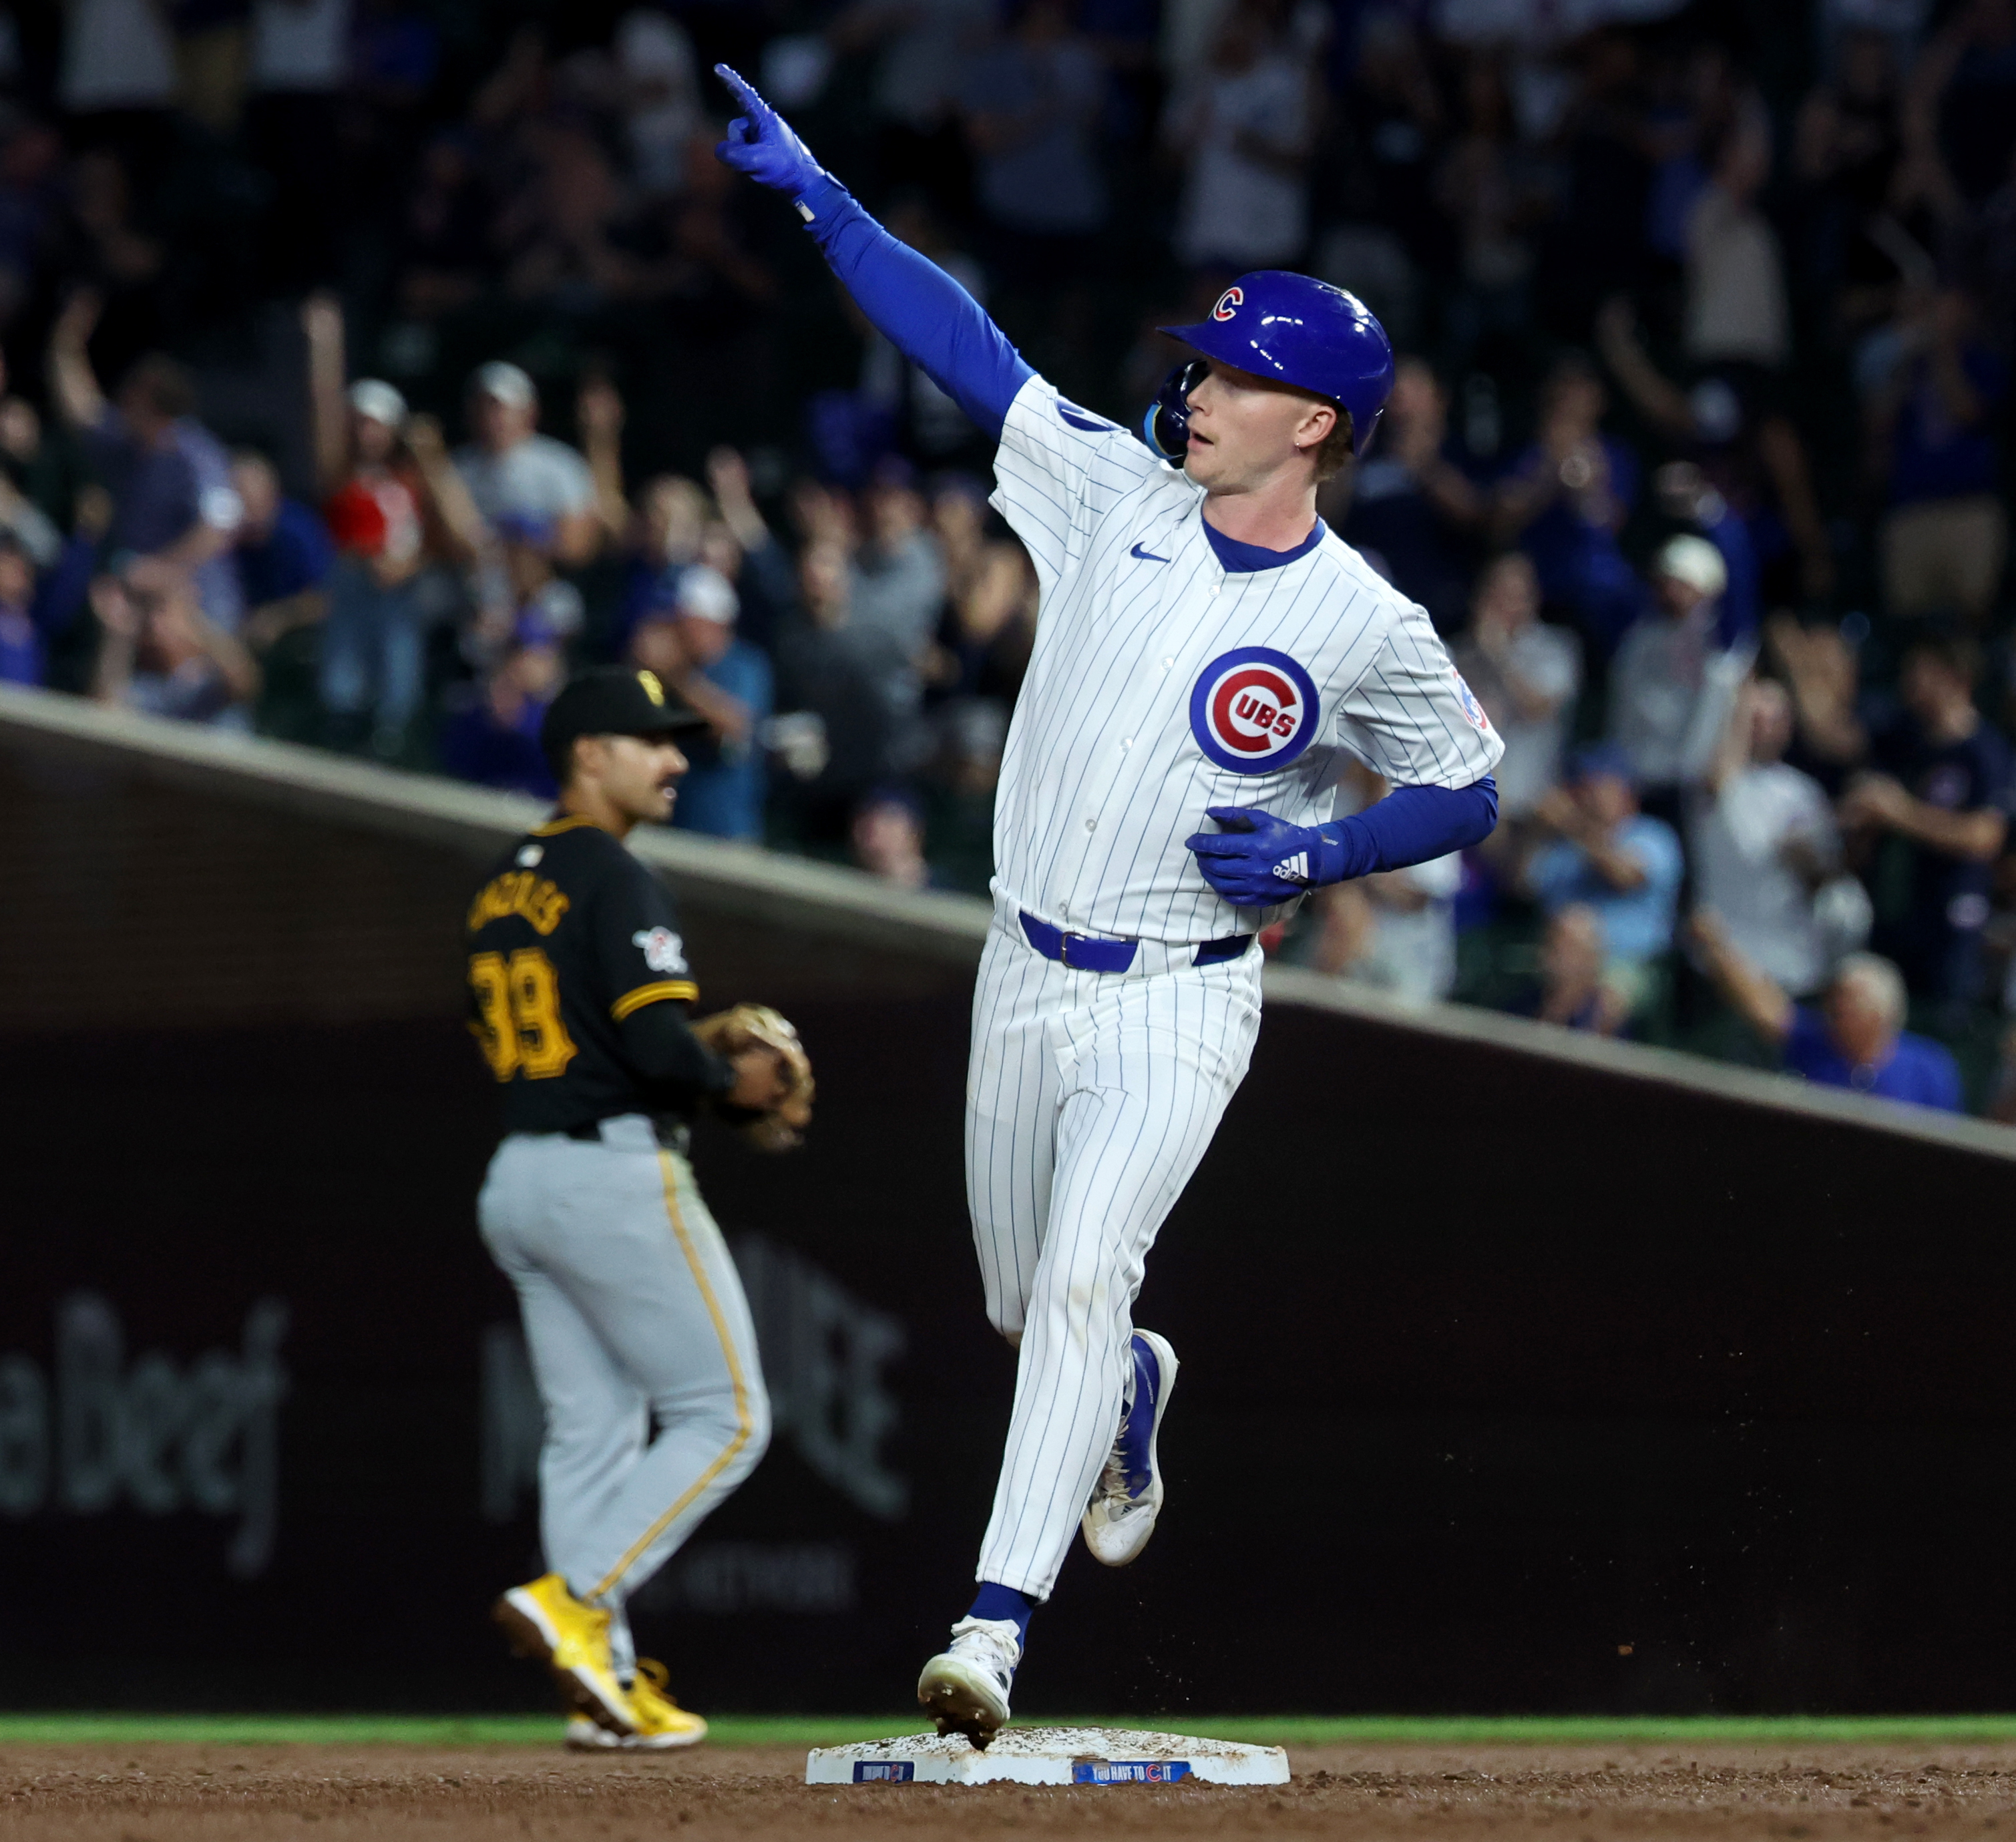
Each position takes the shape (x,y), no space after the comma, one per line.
(756,1026)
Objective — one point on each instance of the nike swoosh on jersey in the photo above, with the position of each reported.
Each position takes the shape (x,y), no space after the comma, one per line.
(1146,556)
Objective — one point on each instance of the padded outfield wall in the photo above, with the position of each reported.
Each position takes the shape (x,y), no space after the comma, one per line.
(1521,1373)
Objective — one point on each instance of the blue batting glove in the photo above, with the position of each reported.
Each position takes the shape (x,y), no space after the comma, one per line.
(1259,860)
(761,143)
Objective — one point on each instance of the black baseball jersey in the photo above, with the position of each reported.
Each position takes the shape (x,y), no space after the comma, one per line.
(578,985)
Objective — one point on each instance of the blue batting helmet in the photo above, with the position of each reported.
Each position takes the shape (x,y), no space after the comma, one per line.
(1303,332)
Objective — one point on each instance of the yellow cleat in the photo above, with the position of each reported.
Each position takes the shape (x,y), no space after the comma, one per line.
(661,1722)
(545,1620)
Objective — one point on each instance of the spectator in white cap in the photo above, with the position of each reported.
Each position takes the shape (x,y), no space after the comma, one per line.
(387,488)
(690,640)
(1672,684)
(512,471)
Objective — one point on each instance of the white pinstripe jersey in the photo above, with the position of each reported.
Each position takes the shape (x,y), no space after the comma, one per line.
(1161,683)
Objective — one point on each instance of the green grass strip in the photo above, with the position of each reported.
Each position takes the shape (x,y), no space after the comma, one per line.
(101,1729)
(1598,1730)
(809,1730)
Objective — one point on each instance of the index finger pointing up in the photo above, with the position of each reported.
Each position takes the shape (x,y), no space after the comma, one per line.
(745,91)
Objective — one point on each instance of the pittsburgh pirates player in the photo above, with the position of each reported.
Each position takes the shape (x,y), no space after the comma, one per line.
(1206,650)
(579,990)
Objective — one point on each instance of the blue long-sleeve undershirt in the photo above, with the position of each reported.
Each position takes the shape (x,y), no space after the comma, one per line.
(934,323)
(926,314)
(1412,825)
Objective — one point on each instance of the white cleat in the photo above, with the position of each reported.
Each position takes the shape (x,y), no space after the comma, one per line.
(584,1736)
(1122,1514)
(965,1689)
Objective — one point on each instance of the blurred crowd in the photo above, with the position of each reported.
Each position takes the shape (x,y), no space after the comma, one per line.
(369,364)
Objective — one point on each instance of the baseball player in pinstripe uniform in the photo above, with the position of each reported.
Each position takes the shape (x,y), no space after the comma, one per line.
(1208,658)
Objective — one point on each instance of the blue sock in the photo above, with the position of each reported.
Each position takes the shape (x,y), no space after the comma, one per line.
(997,1602)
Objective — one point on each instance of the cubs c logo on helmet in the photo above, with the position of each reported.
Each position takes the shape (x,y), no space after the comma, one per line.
(1229,303)
(1253,710)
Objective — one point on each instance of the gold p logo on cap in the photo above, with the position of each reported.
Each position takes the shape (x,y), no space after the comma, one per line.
(653,689)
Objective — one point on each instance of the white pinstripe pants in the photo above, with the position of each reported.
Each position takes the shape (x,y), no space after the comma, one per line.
(634,1314)
(1090,1099)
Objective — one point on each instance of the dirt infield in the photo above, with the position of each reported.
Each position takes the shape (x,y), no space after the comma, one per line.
(177,1794)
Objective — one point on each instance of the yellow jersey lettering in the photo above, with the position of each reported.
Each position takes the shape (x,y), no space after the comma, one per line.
(548,905)
(519,892)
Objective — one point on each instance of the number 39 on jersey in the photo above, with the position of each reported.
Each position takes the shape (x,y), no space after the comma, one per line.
(518,1004)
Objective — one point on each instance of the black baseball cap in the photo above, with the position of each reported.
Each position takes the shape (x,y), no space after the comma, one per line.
(615,701)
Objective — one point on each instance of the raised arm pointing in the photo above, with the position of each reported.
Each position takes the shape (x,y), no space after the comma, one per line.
(923,312)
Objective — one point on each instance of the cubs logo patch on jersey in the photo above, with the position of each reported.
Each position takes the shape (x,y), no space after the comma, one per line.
(1253,709)
(1474,711)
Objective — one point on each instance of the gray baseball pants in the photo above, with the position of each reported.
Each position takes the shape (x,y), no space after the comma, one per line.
(642,1346)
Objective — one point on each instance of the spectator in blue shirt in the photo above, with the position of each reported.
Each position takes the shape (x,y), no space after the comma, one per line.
(158,653)
(34,612)
(1412,504)
(22,660)
(1928,772)
(1564,500)
(1941,779)
(690,642)
(1935,412)
(1624,865)
(493,738)
(1571,989)
(1854,1038)
(282,555)
(888,835)
(1032,101)
(1748,487)
(172,498)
